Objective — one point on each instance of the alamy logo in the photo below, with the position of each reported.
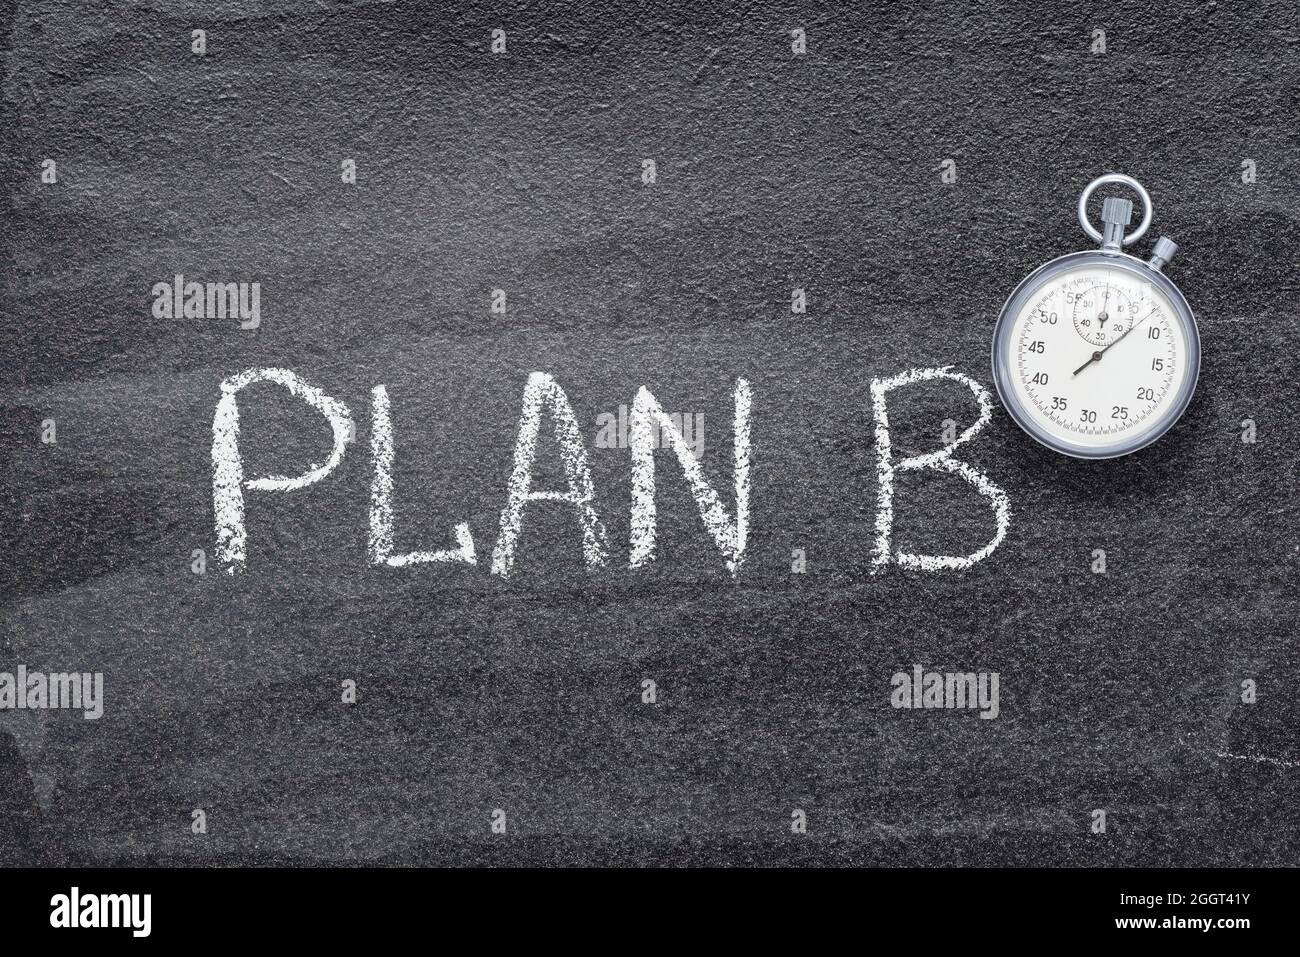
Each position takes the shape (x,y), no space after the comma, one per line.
(83,691)
(213,300)
(103,910)
(946,689)
(615,430)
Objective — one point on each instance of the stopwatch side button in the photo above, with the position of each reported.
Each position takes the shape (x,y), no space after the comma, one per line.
(1116,214)
(1162,252)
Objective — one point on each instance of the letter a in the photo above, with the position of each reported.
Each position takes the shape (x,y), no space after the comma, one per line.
(540,392)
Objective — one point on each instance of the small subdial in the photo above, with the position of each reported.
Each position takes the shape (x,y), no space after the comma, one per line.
(1102,313)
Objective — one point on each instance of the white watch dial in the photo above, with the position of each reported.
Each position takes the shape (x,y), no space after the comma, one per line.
(1097,355)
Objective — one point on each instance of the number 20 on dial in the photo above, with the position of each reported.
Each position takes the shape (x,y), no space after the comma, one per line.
(1096,353)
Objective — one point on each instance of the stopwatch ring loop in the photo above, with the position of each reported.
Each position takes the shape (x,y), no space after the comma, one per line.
(1132,184)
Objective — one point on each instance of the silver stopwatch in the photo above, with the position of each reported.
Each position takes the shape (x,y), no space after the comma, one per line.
(1096,353)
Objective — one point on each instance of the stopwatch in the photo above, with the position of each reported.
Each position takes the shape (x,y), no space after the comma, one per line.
(1096,353)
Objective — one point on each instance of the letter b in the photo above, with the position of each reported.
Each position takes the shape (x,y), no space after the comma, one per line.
(939,461)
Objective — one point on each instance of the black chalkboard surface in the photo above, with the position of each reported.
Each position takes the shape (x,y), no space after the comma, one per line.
(443,200)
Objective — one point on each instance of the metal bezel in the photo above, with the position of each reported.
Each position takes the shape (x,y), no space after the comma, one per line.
(1025,418)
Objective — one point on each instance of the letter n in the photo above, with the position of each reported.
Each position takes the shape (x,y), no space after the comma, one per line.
(648,417)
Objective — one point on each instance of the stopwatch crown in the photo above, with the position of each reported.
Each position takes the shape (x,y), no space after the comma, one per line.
(1116,214)
(1162,252)
(1117,210)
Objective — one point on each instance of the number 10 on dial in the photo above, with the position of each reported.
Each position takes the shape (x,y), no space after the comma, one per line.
(1096,353)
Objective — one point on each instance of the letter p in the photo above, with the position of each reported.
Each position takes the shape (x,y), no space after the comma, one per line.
(228,482)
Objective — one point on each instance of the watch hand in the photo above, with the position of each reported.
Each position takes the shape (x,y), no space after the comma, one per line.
(1096,356)
(1101,316)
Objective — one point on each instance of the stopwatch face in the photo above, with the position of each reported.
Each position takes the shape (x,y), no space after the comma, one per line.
(1096,355)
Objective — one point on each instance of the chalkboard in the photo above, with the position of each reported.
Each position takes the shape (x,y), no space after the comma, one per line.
(460,203)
